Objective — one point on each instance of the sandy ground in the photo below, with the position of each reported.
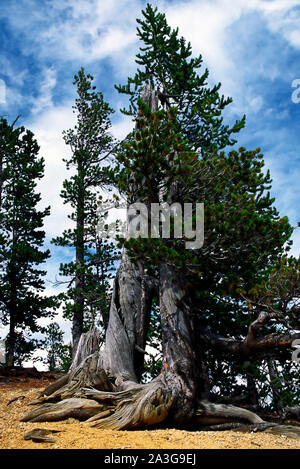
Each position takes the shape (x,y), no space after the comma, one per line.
(78,435)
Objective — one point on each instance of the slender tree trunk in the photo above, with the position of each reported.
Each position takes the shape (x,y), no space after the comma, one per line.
(274,386)
(78,316)
(10,353)
(10,358)
(252,392)
(203,382)
(1,177)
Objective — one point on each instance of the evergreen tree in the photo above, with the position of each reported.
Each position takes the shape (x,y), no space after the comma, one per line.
(209,332)
(21,277)
(167,65)
(54,345)
(92,147)
(176,156)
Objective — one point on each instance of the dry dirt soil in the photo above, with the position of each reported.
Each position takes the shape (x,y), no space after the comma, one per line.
(78,435)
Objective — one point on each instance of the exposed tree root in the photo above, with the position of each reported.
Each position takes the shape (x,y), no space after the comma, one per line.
(139,406)
(81,409)
(289,431)
(85,375)
(258,427)
(133,406)
(59,383)
(292,413)
(101,387)
(216,414)
(92,393)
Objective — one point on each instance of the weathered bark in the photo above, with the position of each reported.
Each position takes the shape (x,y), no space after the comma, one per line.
(110,374)
(81,409)
(110,368)
(102,385)
(138,406)
(245,348)
(210,414)
(87,345)
(292,413)
(128,322)
(179,359)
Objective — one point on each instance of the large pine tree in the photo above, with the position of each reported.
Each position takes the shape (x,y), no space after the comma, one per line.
(21,238)
(92,147)
(178,154)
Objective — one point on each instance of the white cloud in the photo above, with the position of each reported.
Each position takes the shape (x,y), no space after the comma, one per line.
(11,98)
(295,250)
(44,99)
(283,18)
(13,71)
(256,103)
(2,92)
(211,29)
(85,31)
(97,29)
(93,30)
(122,128)
(47,128)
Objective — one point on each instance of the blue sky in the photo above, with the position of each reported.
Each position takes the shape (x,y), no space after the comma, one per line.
(251,46)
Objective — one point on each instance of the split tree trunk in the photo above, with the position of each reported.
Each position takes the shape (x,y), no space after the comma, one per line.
(102,386)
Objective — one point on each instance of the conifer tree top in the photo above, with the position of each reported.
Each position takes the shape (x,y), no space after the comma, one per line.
(166,61)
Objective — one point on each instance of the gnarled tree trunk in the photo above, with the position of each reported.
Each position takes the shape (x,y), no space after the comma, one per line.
(102,386)
(179,359)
